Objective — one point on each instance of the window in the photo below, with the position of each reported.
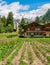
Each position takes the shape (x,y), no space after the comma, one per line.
(47,34)
(28,29)
(38,29)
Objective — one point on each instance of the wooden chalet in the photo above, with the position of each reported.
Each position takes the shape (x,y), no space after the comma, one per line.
(36,30)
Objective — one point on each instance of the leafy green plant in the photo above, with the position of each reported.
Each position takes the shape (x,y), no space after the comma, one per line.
(48,58)
(30,57)
(22,63)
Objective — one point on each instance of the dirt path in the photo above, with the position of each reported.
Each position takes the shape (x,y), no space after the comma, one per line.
(28,51)
(16,60)
(36,60)
(7,39)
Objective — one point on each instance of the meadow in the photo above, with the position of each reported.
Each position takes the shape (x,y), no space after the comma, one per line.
(25,51)
(8,35)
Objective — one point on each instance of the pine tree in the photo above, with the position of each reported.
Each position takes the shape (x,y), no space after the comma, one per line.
(37,20)
(23,22)
(10,19)
(4,21)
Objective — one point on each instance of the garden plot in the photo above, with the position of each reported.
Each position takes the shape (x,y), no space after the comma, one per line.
(25,51)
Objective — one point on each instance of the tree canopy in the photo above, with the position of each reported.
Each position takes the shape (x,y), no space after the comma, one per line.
(6,24)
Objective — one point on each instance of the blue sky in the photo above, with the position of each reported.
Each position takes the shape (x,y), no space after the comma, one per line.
(33,3)
(26,8)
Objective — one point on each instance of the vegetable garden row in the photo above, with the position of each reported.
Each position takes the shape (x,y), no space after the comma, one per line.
(25,51)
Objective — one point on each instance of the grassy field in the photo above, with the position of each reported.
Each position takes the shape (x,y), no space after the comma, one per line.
(8,35)
(24,51)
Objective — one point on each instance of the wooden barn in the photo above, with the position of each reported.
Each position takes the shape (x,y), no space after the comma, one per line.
(36,30)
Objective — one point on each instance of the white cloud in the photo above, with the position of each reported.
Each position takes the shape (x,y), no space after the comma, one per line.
(0,0)
(15,7)
(25,7)
(38,12)
(45,6)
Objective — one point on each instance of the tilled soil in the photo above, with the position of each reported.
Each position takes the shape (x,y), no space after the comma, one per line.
(16,60)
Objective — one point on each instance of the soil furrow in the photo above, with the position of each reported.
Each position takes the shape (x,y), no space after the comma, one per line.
(36,60)
(16,60)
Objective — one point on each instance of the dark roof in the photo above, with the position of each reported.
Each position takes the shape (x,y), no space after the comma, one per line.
(34,24)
